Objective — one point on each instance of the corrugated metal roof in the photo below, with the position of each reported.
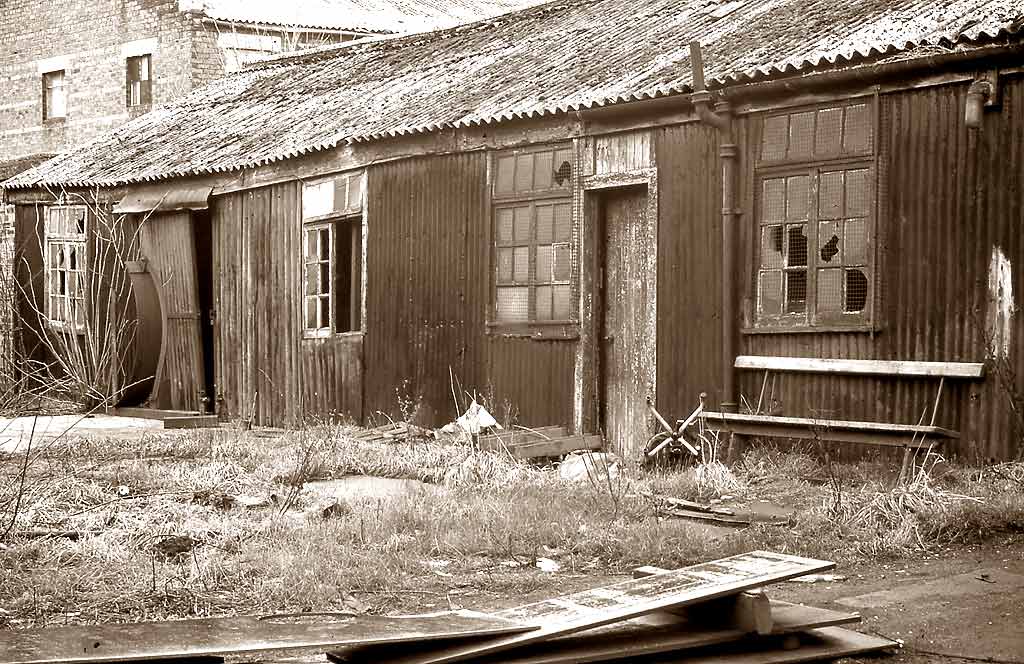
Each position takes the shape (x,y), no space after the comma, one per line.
(381,16)
(548,59)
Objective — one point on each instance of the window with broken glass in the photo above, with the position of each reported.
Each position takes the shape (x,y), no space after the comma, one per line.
(332,243)
(815,219)
(534,284)
(66,276)
(138,81)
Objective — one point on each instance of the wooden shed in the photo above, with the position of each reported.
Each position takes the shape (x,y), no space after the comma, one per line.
(554,211)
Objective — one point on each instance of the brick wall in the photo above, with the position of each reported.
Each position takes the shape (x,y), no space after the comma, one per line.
(89,35)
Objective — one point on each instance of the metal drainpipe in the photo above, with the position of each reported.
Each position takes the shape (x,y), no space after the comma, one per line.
(721,119)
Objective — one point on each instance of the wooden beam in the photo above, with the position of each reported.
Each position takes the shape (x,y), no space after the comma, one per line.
(862,367)
(748,611)
(510,438)
(557,447)
(898,435)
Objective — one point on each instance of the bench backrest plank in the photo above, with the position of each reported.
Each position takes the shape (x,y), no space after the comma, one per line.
(863,367)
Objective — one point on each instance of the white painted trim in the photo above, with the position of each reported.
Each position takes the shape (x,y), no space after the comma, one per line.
(139,47)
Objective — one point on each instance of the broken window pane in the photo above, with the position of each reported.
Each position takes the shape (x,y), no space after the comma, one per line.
(505,222)
(325,278)
(563,168)
(828,242)
(524,172)
(521,264)
(522,224)
(513,304)
(773,206)
(797,250)
(545,223)
(773,144)
(325,311)
(563,222)
(796,292)
(856,290)
(562,263)
(504,265)
(830,195)
(543,264)
(562,302)
(801,135)
(503,183)
(544,303)
(830,291)
(324,243)
(771,246)
(828,135)
(856,241)
(857,134)
(543,170)
(798,189)
(858,198)
(770,292)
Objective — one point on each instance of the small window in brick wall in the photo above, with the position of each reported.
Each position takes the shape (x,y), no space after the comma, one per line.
(815,218)
(534,284)
(55,98)
(138,81)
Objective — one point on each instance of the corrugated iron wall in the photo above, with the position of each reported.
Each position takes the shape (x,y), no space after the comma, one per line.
(261,355)
(689,268)
(948,196)
(428,262)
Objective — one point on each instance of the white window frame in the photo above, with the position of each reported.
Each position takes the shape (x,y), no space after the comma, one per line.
(59,276)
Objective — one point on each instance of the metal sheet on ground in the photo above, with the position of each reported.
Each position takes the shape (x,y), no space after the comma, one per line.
(634,638)
(825,643)
(184,639)
(628,599)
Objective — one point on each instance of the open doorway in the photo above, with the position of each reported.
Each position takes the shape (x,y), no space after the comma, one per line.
(202,229)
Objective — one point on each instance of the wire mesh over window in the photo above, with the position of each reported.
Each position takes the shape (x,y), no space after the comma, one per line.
(66,265)
(825,133)
(534,256)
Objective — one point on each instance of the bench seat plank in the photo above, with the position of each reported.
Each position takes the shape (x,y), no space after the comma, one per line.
(862,367)
(899,435)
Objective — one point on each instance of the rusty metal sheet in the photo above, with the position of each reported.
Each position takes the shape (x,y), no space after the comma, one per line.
(657,633)
(164,198)
(592,608)
(189,639)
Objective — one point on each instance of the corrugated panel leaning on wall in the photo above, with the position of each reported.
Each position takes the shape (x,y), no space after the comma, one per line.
(428,275)
(949,197)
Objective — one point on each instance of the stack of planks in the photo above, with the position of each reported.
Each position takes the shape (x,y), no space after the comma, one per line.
(710,612)
(539,442)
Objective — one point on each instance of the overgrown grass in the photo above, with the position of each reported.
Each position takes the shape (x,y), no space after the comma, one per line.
(480,530)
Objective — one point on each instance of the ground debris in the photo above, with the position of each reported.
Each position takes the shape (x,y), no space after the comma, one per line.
(391,432)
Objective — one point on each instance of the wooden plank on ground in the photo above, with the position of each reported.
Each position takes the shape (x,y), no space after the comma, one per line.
(862,367)
(556,447)
(749,611)
(592,608)
(901,435)
(652,634)
(496,442)
(192,639)
(826,643)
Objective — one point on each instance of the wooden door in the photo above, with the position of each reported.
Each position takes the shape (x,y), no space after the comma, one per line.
(168,244)
(627,340)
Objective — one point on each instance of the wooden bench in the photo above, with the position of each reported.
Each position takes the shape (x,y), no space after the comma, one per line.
(880,433)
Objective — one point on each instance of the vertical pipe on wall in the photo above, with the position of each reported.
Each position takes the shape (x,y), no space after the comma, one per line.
(721,119)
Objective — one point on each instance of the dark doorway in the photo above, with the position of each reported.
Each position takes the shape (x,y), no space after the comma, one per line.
(204,274)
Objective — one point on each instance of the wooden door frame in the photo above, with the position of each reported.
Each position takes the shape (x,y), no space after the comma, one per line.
(587,392)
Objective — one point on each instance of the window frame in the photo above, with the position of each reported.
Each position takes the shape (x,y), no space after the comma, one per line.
(562,328)
(811,320)
(45,78)
(80,242)
(145,85)
(353,223)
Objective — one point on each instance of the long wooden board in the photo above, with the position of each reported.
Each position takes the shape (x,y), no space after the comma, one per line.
(862,367)
(635,638)
(568,614)
(820,644)
(191,639)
